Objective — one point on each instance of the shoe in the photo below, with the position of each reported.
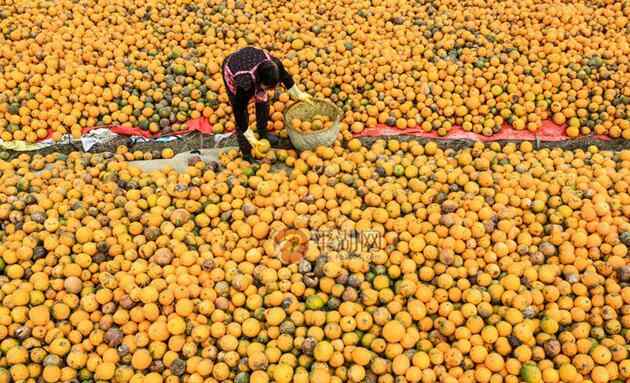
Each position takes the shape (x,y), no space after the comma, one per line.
(274,140)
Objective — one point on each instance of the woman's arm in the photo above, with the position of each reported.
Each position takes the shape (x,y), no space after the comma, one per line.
(290,85)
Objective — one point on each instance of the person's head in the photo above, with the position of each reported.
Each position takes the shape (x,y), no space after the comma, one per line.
(268,74)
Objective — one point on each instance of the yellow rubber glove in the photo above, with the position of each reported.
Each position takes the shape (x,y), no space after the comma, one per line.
(259,147)
(297,94)
(251,138)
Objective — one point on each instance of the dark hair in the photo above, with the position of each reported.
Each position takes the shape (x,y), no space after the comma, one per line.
(268,74)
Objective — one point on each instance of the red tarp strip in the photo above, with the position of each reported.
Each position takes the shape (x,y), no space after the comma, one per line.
(199,124)
(549,131)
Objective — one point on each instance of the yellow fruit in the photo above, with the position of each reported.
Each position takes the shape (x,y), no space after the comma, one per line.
(141,359)
(283,373)
(323,351)
(104,371)
(274,316)
(393,331)
(176,326)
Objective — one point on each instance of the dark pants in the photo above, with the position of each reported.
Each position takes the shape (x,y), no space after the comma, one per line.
(262,117)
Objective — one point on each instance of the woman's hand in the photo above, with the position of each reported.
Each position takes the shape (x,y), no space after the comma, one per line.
(251,138)
(297,94)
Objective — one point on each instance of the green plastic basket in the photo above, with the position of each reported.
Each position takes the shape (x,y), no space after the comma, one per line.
(305,111)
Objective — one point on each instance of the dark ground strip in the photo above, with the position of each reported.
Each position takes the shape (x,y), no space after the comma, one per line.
(195,140)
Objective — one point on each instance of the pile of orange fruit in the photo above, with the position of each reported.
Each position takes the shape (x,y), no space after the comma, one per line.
(493,264)
(68,65)
(317,123)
